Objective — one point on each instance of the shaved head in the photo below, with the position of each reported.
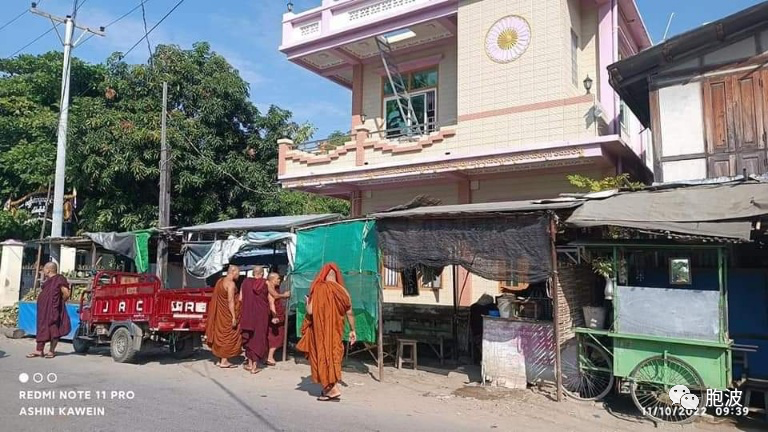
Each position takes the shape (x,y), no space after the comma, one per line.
(258,271)
(233,271)
(274,278)
(50,268)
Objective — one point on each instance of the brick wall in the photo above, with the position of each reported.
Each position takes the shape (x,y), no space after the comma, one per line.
(576,290)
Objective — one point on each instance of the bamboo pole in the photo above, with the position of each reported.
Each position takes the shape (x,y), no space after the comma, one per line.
(40,245)
(556,306)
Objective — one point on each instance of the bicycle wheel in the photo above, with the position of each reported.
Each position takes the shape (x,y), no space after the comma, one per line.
(651,381)
(592,378)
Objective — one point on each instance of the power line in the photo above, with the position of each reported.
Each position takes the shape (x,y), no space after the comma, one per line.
(34,40)
(152,29)
(146,34)
(141,4)
(13,20)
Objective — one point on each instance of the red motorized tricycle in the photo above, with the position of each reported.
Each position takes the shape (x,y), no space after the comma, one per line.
(129,311)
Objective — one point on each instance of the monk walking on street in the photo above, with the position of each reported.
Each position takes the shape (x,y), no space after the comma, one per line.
(256,316)
(222,330)
(52,318)
(323,327)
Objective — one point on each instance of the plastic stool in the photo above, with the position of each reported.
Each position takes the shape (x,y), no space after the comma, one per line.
(401,344)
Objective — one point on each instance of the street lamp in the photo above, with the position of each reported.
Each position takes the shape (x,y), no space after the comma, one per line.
(289,6)
(588,84)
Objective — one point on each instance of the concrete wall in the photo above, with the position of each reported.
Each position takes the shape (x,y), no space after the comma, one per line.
(11,255)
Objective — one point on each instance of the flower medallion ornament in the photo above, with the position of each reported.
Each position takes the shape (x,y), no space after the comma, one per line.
(507,39)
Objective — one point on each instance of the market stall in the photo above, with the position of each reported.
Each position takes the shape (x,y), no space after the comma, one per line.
(509,242)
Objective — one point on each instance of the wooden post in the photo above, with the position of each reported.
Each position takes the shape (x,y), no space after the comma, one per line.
(93,256)
(556,306)
(40,245)
(287,309)
(455,320)
(165,195)
(381,332)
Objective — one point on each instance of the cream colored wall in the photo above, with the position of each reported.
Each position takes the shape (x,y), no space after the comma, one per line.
(373,81)
(588,56)
(382,199)
(531,187)
(294,167)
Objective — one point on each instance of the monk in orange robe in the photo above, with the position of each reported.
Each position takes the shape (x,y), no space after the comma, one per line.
(222,329)
(323,327)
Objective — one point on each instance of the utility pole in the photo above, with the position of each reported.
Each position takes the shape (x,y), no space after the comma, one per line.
(61,143)
(165,194)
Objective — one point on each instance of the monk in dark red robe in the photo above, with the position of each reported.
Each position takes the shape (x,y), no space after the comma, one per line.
(256,315)
(52,318)
(222,329)
(323,329)
(276,334)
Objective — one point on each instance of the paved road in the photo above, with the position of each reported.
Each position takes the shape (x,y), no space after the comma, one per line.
(194,395)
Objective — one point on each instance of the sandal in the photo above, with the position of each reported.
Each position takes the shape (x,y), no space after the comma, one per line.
(336,398)
(269,363)
(34,354)
(50,355)
(229,366)
(255,370)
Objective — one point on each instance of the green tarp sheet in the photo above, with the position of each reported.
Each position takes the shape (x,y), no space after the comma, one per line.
(352,246)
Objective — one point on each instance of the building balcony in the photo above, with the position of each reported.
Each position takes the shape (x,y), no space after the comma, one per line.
(333,38)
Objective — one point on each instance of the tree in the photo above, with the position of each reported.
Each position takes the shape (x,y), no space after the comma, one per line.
(224,151)
(621,181)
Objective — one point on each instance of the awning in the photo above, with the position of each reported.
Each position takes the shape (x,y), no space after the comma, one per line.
(277,223)
(483,208)
(721,210)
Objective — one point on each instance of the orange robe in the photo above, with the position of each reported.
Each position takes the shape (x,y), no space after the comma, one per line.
(224,341)
(322,332)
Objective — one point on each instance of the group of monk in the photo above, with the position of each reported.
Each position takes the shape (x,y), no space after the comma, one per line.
(253,320)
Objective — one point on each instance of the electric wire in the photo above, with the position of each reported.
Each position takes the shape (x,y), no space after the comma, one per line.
(152,29)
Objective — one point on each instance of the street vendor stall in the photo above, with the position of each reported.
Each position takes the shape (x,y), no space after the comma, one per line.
(668,252)
(509,242)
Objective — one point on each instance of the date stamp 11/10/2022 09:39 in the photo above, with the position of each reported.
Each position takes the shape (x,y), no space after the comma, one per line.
(685,403)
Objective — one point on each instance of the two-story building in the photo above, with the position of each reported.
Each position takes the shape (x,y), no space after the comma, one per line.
(703,95)
(466,101)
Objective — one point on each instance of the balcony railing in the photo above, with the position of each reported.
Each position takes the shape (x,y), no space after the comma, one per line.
(411,132)
(323,146)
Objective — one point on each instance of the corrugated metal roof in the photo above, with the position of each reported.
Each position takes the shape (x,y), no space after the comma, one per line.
(497,207)
(276,223)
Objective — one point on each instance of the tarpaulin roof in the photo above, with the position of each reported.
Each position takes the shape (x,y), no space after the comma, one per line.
(491,207)
(719,210)
(276,223)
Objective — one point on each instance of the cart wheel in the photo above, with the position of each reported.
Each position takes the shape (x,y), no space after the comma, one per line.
(651,381)
(122,347)
(81,346)
(590,379)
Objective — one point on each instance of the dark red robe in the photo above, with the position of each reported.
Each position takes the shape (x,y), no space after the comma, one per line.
(52,318)
(254,321)
(277,331)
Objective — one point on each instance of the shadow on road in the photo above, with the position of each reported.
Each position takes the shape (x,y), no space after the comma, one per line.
(3,354)
(308,386)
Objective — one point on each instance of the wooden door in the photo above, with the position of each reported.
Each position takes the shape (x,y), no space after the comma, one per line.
(735,120)
(721,165)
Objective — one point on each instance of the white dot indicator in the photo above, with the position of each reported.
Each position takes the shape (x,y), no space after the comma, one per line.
(23,378)
(37,377)
(52,377)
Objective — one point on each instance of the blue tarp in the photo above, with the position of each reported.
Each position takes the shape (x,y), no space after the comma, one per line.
(28,318)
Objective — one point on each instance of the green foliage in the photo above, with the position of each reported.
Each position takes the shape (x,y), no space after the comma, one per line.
(603,266)
(224,151)
(17,226)
(621,181)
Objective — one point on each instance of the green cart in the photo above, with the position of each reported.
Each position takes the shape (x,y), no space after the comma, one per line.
(671,331)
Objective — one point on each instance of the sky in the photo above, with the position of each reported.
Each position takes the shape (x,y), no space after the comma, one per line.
(248,33)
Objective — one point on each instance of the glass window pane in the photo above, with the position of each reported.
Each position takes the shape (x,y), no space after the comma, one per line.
(394,121)
(419,104)
(424,79)
(388,88)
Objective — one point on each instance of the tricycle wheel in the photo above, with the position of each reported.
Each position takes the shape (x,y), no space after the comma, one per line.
(81,346)
(121,346)
(651,382)
(592,377)
(182,347)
